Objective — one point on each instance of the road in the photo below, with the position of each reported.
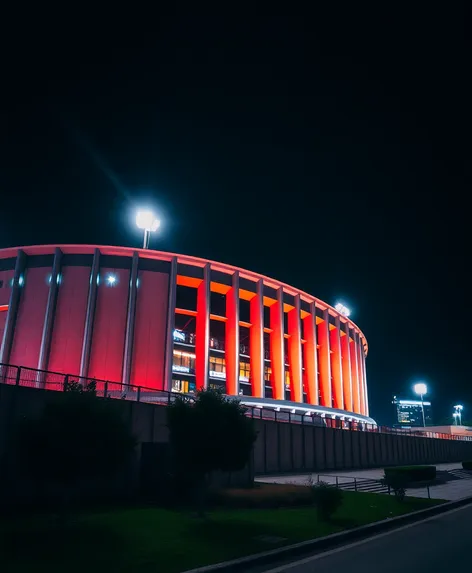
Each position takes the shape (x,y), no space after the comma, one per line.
(437,544)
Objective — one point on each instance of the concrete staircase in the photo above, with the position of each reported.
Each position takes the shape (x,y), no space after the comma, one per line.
(461,474)
(368,485)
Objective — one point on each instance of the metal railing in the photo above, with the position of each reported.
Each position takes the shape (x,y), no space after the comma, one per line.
(47,380)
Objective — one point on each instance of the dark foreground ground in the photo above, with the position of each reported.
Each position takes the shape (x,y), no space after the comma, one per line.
(436,545)
(141,540)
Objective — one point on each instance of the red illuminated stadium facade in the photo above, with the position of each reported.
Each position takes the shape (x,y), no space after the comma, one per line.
(179,323)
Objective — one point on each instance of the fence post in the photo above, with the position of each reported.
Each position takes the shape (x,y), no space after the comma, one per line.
(138,394)
(105,389)
(355,484)
(337,481)
(18,375)
(66,382)
(429,494)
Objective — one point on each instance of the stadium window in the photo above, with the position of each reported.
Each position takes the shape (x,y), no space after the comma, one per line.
(217,364)
(244,370)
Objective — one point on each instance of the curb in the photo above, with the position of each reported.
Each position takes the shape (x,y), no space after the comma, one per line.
(324,543)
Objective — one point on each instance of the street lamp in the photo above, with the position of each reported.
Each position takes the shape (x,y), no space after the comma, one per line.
(147,221)
(421,389)
(455,415)
(458,413)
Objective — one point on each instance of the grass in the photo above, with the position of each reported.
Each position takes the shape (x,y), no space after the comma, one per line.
(151,539)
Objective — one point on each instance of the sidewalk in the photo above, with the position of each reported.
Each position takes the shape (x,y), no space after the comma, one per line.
(451,491)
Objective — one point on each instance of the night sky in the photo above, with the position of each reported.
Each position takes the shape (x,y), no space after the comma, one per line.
(330,152)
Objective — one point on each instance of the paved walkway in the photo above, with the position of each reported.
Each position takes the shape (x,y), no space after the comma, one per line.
(436,544)
(452,490)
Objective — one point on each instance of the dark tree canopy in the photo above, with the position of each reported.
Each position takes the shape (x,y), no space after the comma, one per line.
(213,433)
(77,435)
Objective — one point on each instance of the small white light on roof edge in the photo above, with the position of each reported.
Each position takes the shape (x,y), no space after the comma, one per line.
(342,309)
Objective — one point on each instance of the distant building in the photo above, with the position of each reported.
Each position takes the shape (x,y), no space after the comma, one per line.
(408,413)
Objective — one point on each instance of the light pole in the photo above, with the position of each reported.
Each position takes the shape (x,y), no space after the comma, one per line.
(455,415)
(458,413)
(148,222)
(421,389)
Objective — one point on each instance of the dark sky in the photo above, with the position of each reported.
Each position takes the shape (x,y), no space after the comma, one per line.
(331,152)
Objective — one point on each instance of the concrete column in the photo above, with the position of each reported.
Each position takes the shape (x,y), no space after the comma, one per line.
(336,364)
(277,351)
(50,311)
(355,373)
(169,356)
(256,341)
(202,352)
(295,352)
(130,320)
(232,337)
(90,315)
(311,356)
(13,306)
(325,362)
(346,362)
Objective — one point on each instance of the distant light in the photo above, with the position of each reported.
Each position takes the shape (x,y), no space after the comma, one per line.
(147,221)
(111,280)
(342,309)
(21,280)
(420,388)
(412,402)
(455,414)
(459,407)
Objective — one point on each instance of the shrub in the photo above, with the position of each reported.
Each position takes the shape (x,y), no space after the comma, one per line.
(397,481)
(412,473)
(467,465)
(327,499)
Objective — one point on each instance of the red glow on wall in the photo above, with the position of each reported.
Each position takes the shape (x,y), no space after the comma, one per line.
(202,332)
(30,319)
(347,382)
(147,367)
(355,377)
(277,355)
(295,354)
(325,365)
(256,341)
(106,357)
(333,360)
(232,341)
(310,358)
(336,368)
(69,321)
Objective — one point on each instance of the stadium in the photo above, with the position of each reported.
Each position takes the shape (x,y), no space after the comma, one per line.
(175,323)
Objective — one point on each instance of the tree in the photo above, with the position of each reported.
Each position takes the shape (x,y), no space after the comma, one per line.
(213,433)
(76,436)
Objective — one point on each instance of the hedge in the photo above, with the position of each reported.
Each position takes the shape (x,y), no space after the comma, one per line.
(412,473)
(467,465)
